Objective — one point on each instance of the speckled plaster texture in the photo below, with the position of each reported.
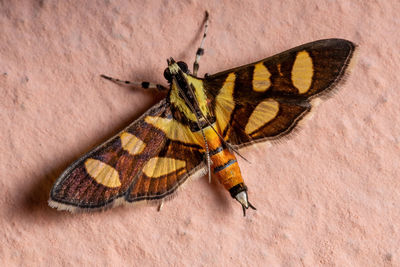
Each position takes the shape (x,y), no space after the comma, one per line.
(327,196)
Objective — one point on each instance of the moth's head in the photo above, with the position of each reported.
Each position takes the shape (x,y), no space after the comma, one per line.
(175,69)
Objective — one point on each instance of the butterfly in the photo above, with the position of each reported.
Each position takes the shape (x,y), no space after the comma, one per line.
(201,124)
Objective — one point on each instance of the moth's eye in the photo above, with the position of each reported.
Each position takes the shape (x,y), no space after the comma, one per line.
(183,66)
(167,75)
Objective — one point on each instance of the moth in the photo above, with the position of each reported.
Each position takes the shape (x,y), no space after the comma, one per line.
(200,125)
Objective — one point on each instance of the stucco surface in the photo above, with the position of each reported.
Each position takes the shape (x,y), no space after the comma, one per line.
(327,196)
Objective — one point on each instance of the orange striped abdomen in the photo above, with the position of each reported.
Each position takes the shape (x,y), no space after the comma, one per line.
(224,163)
(226,168)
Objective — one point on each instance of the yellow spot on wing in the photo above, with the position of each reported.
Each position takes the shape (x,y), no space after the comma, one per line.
(131,143)
(262,114)
(261,81)
(174,130)
(157,167)
(102,173)
(302,72)
(224,102)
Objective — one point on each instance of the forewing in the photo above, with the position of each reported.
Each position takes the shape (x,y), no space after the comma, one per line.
(266,99)
(142,162)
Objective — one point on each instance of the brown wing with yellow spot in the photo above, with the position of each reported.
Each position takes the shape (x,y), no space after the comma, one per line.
(266,99)
(148,160)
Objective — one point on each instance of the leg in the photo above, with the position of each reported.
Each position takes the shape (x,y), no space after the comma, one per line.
(144,85)
(200,50)
(160,205)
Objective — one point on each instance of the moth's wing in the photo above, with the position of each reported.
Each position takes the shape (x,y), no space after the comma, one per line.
(140,163)
(266,99)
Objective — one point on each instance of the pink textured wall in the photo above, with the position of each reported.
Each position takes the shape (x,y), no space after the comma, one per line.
(330,195)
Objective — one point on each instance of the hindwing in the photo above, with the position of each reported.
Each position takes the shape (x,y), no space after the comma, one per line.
(265,100)
(148,160)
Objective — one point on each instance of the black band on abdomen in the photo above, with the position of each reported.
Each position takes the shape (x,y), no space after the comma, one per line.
(221,167)
(237,189)
(216,151)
